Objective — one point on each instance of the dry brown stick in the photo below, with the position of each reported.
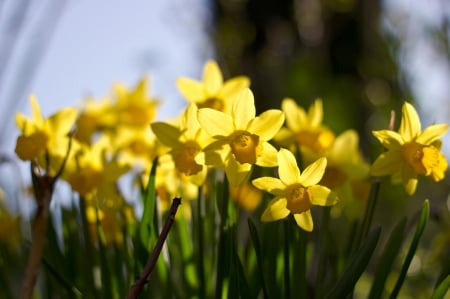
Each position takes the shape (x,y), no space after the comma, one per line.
(151,262)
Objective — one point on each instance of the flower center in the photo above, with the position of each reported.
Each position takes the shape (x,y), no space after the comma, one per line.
(298,200)
(29,147)
(318,141)
(213,103)
(245,147)
(333,177)
(425,159)
(185,158)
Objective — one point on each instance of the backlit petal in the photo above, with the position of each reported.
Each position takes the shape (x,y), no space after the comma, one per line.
(214,122)
(269,156)
(322,196)
(313,173)
(276,210)
(212,78)
(387,163)
(270,184)
(37,115)
(192,90)
(288,169)
(389,139)
(237,173)
(233,86)
(61,122)
(305,221)
(410,123)
(295,116)
(432,133)
(167,134)
(315,113)
(243,109)
(267,124)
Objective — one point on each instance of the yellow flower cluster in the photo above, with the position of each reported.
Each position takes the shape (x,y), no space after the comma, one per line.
(219,129)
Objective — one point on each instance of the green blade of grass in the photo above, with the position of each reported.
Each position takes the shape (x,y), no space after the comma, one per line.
(259,257)
(146,228)
(423,219)
(390,252)
(356,267)
(442,289)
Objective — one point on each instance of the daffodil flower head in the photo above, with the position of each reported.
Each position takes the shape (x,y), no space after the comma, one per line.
(44,135)
(241,137)
(305,128)
(212,92)
(295,192)
(410,151)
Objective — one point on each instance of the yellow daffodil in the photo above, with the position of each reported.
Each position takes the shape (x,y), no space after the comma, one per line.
(304,128)
(346,173)
(241,138)
(246,196)
(212,91)
(186,142)
(410,151)
(295,192)
(10,230)
(134,108)
(42,136)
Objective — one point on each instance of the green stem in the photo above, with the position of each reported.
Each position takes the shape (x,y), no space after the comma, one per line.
(287,274)
(322,248)
(200,237)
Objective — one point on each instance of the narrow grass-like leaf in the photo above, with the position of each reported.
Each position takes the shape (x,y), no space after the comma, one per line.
(259,257)
(423,219)
(390,252)
(442,289)
(71,290)
(356,267)
(146,231)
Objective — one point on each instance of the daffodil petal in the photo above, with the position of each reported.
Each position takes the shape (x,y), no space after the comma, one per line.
(288,169)
(305,220)
(322,196)
(387,163)
(409,178)
(276,210)
(233,86)
(167,134)
(313,173)
(284,137)
(192,90)
(270,184)
(215,123)
(269,156)
(61,122)
(295,116)
(267,124)
(37,115)
(243,109)
(315,113)
(236,172)
(410,123)
(432,133)
(212,78)
(389,139)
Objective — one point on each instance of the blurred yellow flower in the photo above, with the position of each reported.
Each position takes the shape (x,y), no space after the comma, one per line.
(246,196)
(44,135)
(295,192)
(212,91)
(10,230)
(134,108)
(304,128)
(186,142)
(241,138)
(410,151)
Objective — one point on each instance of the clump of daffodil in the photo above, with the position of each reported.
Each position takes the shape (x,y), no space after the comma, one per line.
(295,192)
(304,129)
(212,92)
(346,173)
(186,142)
(44,140)
(93,172)
(241,138)
(134,108)
(411,152)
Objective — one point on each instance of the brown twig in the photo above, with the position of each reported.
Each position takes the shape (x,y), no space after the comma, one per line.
(151,262)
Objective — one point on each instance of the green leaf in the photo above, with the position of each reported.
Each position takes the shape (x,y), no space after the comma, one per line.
(390,252)
(423,219)
(146,228)
(259,258)
(442,289)
(356,266)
